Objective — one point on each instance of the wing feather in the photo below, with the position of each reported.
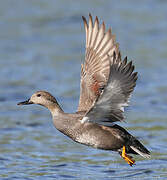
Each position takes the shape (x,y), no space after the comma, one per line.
(95,70)
(109,107)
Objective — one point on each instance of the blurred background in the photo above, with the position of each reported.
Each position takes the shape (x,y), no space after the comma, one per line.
(42,44)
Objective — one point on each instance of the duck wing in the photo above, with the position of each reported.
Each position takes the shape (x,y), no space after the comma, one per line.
(109,106)
(95,70)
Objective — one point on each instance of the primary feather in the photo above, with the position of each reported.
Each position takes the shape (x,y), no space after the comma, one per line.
(109,106)
(96,68)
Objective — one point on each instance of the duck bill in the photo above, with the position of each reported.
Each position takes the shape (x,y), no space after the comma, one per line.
(25,102)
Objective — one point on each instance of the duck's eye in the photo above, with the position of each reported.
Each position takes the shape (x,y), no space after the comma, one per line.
(38,95)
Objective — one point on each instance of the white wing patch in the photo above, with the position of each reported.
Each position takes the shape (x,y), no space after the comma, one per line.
(85,119)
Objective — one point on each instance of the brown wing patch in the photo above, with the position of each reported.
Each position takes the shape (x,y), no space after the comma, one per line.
(96,88)
(109,107)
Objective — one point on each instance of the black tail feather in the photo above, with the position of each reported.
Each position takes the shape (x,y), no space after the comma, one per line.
(138,148)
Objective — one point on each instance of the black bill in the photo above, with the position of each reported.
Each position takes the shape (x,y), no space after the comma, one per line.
(25,102)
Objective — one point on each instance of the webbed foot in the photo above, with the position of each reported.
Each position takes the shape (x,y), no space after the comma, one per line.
(127,158)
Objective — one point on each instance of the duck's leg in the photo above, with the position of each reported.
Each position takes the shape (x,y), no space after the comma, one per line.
(127,158)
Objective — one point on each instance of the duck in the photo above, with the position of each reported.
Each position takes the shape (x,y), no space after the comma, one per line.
(107,82)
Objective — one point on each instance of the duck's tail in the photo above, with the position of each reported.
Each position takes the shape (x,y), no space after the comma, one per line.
(135,147)
(139,148)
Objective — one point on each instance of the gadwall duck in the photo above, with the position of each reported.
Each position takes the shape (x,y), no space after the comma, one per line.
(106,85)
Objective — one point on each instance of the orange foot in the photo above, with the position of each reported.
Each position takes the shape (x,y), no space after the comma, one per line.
(127,158)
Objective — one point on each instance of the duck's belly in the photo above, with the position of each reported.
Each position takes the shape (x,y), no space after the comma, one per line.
(100,137)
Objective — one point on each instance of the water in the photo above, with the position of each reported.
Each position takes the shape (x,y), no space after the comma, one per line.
(41,47)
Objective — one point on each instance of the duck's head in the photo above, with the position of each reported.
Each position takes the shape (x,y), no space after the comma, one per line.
(42,98)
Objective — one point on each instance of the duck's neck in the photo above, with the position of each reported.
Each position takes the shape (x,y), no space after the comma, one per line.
(55,108)
(64,122)
(60,119)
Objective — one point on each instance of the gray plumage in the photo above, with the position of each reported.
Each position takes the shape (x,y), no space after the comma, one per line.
(109,106)
(106,86)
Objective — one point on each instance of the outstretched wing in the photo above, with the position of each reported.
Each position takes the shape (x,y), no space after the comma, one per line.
(95,70)
(109,107)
